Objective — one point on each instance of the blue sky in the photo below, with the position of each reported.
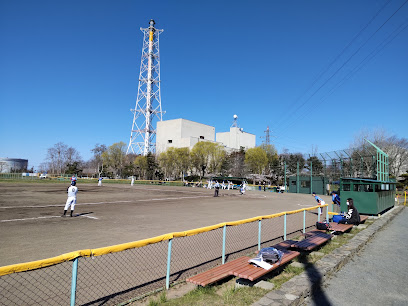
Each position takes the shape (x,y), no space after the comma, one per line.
(69,70)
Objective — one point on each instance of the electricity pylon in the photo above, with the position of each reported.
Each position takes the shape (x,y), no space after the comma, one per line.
(148,101)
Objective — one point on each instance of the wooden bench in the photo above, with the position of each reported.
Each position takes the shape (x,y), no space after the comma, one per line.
(340,227)
(363,219)
(242,268)
(253,272)
(313,239)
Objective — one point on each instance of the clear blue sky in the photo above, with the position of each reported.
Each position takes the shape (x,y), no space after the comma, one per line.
(69,70)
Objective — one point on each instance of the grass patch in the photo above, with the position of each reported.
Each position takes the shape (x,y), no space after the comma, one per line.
(203,296)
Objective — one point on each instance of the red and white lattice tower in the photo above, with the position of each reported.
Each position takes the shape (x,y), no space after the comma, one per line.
(148,103)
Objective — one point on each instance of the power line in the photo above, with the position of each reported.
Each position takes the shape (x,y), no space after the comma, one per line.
(348,60)
(368,58)
(335,59)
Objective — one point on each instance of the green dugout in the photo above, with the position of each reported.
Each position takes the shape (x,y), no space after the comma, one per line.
(370,197)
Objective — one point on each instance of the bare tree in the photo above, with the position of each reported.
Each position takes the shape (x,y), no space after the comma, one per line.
(97,160)
(59,156)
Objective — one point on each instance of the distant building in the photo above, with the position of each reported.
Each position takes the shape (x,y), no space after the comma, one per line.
(236,139)
(181,133)
(8,165)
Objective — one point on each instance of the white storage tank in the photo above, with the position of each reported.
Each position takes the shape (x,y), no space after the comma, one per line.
(8,165)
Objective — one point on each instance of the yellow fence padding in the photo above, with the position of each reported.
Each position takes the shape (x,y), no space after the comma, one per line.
(130,245)
(32,265)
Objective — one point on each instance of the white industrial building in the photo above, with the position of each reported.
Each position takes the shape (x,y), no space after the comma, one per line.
(181,133)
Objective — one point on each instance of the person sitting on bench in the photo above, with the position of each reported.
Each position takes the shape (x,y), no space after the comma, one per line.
(352,216)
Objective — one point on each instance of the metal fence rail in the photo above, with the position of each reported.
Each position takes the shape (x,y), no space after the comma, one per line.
(120,273)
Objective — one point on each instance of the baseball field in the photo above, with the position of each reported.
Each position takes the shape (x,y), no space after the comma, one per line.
(32,228)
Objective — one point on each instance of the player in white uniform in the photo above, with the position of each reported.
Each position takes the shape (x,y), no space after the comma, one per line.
(100,181)
(71,201)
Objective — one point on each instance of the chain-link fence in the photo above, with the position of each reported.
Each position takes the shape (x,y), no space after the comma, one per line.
(125,272)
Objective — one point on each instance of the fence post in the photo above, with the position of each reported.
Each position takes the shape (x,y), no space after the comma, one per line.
(327,213)
(304,221)
(318,213)
(284,225)
(259,234)
(168,264)
(224,235)
(74,280)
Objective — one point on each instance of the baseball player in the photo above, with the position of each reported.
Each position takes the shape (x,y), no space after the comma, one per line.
(100,181)
(217,188)
(73,178)
(71,201)
(132,181)
(319,201)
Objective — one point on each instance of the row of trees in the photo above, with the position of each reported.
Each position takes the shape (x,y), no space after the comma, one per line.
(261,163)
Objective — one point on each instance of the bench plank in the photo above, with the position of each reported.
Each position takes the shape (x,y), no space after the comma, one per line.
(218,273)
(242,268)
(363,219)
(313,239)
(340,227)
(252,272)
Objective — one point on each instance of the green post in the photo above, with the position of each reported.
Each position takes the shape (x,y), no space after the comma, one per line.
(297,178)
(311,177)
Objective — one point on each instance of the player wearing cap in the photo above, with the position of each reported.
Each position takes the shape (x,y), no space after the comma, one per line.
(320,202)
(71,201)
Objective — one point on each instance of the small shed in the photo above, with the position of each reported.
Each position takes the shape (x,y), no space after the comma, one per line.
(308,184)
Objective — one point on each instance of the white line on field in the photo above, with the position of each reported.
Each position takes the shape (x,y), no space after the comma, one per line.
(109,202)
(25,219)
(305,205)
(91,217)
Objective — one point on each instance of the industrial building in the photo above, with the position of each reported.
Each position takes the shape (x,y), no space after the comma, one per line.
(8,165)
(181,133)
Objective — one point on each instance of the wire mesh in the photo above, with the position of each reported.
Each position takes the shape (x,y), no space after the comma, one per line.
(294,225)
(117,277)
(272,231)
(241,240)
(195,254)
(46,286)
(112,278)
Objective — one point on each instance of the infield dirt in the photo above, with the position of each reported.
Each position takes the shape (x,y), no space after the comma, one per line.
(32,228)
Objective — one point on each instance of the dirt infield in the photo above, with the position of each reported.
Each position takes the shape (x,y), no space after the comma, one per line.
(32,228)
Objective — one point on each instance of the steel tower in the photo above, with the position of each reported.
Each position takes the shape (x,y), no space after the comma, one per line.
(148,101)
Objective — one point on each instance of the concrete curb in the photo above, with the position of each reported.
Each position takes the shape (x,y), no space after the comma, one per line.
(297,289)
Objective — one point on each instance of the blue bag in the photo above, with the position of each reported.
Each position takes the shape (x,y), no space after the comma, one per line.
(337,218)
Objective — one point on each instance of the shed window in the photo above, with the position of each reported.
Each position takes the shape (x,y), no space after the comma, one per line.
(201,137)
(346,187)
(305,184)
(170,141)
